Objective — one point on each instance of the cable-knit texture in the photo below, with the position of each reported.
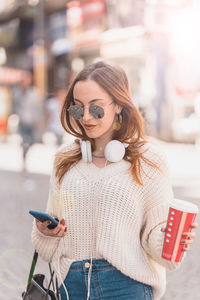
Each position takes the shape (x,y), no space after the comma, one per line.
(108,213)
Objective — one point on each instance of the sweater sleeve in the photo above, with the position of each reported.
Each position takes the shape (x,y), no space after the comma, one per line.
(47,245)
(157,194)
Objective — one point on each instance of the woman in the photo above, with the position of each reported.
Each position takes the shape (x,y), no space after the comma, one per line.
(111,198)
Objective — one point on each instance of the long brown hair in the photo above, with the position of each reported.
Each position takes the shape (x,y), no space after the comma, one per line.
(114,81)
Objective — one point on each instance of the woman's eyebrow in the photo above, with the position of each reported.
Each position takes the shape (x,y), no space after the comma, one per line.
(91,101)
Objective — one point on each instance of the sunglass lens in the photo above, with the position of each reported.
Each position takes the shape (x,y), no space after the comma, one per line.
(96,111)
(76,111)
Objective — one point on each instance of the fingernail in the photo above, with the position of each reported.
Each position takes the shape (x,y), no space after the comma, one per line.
(182,242)
(184,235)
(48,222)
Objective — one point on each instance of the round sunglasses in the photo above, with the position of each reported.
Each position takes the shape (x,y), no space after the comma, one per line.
(77,112)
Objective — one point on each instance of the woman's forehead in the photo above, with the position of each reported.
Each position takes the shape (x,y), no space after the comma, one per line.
(87,91)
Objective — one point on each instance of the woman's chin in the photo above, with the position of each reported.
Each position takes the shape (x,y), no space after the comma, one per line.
(92,136)
(99,135)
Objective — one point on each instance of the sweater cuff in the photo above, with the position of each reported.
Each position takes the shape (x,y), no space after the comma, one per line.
(157,238)
(44,245)
(153,237)
(40,234)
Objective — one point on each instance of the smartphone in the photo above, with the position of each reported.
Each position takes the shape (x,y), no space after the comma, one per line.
(42,217)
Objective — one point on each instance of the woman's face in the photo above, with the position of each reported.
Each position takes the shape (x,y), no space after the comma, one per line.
(88,93)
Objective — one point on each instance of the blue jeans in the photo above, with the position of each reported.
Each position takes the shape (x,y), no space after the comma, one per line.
(107,283)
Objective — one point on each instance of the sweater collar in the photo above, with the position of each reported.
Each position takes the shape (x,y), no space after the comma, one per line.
(92,172)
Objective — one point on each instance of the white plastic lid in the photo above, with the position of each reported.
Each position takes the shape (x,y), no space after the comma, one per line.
(183,205)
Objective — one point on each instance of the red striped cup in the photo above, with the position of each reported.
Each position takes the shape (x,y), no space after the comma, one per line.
(181,215)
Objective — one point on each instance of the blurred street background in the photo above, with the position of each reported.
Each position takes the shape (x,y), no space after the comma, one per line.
(43,44)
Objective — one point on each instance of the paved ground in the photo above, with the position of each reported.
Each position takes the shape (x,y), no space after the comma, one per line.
(22,191)
(19,193)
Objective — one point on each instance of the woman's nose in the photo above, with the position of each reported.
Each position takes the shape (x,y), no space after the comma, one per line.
(86,114)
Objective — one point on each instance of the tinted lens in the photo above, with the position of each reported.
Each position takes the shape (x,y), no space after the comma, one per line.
(96,111)
(76,111)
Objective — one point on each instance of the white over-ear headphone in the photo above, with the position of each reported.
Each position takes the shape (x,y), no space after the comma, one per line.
(114,151)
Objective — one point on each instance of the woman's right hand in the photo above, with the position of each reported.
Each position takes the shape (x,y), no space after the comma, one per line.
(59,231)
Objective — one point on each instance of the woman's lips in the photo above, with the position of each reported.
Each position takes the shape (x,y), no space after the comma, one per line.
(89,127)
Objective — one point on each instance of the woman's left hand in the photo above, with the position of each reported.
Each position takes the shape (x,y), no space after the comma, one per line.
(187,239)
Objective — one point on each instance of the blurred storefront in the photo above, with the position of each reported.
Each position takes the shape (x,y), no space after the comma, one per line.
(8,77)
(86,20)
(12,62)
(125,43)
(27,46)
(112,30)
(59,47)
(174,38)
(185,52)
(4,109)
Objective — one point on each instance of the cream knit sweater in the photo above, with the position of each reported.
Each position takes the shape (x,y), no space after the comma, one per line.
(109,214)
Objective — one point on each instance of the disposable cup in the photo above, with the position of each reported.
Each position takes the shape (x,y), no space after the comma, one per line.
(180,217)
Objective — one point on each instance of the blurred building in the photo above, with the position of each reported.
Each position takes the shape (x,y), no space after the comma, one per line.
(150,39)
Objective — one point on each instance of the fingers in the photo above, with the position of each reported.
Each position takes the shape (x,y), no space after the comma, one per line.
(62,221)
(186,242)
(188,238)
(42,224)
(194,225)
(186,248)
(163,229)
(62,232)
(189,235)
(45,224)
(59,231)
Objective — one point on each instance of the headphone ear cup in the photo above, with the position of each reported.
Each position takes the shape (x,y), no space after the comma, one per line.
(114,151)
(84,151)
(89,151)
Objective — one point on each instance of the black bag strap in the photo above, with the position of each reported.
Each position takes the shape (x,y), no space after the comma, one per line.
(55,288)
(51,280)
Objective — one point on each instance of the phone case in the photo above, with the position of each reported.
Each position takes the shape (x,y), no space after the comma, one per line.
(42,217)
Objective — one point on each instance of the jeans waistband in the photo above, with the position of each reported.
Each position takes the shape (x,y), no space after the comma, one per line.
(96,264)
